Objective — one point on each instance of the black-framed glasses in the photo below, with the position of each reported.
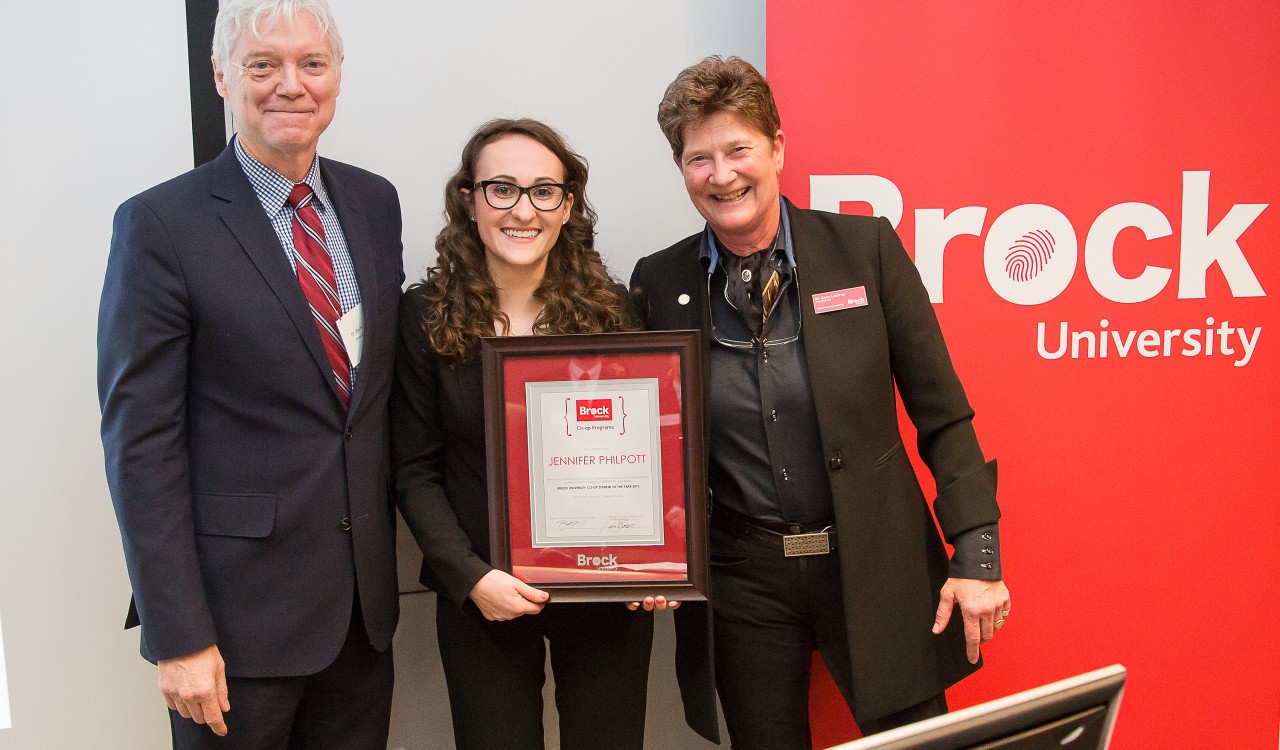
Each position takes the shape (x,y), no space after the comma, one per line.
(500,194)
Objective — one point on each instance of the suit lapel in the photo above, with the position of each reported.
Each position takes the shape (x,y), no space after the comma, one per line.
(243,215)
(818,272)
(841,348)
(360,245)
(688,278)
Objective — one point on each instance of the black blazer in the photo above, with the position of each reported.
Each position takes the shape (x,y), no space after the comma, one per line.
(234,469)
(892,561)
(438,448)
(437,420)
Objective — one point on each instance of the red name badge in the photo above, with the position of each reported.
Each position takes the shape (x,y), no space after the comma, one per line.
(841,299)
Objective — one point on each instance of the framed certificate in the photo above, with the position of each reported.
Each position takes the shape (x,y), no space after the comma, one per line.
(597,471)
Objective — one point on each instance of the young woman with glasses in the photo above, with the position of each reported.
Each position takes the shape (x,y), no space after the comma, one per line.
(516,257)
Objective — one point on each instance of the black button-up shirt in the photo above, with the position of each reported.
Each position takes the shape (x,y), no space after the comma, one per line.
(766,451)
(766,459)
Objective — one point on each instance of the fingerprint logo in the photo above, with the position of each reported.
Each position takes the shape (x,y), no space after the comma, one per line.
(1029,255)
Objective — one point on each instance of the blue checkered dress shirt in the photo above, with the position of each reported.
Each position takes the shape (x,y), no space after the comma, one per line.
(272,189)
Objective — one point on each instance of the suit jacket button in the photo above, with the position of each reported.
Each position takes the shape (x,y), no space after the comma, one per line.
(348,435)
(836,462)
(346,524)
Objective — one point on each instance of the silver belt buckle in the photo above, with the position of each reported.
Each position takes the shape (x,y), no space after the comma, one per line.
(799,545)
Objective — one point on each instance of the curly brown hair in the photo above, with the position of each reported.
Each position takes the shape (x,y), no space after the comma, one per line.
(577,293)
(717,84)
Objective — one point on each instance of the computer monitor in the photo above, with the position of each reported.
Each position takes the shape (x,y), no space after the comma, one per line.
(1073,714)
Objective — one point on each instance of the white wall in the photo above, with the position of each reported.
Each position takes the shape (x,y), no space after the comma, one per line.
(419,77)
(96,109)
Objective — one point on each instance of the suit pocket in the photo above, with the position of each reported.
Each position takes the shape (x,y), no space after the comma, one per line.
(250,514)
(893,451)
(727,561)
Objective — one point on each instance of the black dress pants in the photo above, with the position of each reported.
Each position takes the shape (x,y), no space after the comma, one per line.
(495,672)
(770,613)
(345,706)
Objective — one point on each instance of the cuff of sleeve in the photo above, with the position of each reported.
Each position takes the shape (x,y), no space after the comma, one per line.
(469,574)
(968,502)
(977,554)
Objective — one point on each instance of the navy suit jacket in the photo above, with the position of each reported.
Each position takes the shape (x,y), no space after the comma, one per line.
(251,504)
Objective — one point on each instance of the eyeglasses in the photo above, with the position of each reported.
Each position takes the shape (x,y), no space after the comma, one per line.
(778,337)
(545,196)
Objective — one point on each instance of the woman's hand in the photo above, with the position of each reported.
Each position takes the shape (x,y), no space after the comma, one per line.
(504,597)
(651,603)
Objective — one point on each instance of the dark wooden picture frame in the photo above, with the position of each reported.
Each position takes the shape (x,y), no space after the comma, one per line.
(673,359)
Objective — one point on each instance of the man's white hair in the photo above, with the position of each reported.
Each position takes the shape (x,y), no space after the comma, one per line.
(235,17)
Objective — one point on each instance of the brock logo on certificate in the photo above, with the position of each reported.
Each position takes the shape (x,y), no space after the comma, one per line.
(594,473)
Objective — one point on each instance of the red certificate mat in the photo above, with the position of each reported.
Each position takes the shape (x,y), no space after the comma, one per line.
(596,463)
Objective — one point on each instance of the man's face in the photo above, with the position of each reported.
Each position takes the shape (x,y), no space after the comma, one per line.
(731,172)
(282,89)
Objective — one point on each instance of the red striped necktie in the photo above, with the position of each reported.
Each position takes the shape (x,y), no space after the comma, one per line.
(319,285)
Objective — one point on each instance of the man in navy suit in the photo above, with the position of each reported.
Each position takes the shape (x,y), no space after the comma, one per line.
(245,348)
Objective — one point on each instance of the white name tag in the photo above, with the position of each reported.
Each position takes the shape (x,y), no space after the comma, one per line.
(351,328)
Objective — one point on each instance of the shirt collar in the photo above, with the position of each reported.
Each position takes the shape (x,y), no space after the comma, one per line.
(709,253)
(272,188)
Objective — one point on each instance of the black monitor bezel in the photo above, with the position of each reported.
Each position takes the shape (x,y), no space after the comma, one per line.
(1007,716)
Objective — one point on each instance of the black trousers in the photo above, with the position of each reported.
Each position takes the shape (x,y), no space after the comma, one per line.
(495,672)
(770,613)
(345,706)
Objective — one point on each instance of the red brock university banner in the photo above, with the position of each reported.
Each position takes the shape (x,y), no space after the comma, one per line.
(1090,192)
